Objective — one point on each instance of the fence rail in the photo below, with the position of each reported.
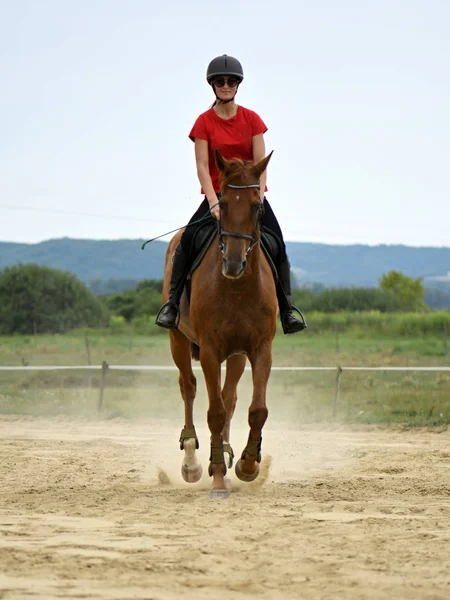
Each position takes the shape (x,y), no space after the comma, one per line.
(105,367)
(198,368)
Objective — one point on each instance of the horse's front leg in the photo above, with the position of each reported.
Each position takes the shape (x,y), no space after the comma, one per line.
(180,346)
(247,467)
(216,422)
(235,368)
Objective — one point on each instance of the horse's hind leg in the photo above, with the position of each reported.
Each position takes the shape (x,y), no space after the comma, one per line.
(247,468)
(235,368)
(180,347)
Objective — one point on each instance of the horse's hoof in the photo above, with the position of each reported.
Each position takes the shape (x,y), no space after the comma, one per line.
(243,476)
(219,494)
(192,474)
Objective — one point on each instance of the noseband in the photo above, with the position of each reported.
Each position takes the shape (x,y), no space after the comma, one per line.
(242,236)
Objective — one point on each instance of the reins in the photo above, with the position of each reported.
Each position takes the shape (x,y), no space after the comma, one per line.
(243,236)
(182,227)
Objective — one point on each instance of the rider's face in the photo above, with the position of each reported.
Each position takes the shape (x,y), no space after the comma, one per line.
(225,87)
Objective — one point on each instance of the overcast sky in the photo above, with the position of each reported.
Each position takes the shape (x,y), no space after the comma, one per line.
(98,97)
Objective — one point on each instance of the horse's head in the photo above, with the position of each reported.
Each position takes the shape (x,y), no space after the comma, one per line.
(240,211)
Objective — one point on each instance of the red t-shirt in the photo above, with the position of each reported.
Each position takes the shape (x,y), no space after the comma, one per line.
(232,137)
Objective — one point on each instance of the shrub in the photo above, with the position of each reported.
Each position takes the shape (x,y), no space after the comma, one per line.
(35,299)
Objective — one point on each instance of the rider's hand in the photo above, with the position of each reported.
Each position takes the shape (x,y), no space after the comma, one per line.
(215,212)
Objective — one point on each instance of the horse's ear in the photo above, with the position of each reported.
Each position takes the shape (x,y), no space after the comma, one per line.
(220,161)
(259,168)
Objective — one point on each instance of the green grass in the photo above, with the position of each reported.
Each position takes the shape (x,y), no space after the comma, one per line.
(409,398)
(308,347)
(375,322)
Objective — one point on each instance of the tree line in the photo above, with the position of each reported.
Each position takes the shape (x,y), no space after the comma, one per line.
(38,299)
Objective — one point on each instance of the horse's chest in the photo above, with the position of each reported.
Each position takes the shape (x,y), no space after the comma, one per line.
(238,336)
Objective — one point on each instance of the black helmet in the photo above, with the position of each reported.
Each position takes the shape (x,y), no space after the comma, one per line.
(224,65)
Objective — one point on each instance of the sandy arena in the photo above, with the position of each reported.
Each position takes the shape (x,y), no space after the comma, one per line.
(98,509)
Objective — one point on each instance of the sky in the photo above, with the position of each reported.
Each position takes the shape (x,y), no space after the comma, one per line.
(98,98)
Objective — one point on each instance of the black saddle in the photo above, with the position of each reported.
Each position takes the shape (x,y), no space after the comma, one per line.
(273,248)
(201,241)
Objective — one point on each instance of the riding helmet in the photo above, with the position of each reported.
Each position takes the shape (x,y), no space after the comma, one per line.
(224,65)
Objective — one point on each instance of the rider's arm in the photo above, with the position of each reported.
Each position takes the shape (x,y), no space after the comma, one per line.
(259,152)
(202,160)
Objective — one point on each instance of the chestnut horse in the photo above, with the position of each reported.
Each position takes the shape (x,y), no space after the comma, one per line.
(231,316)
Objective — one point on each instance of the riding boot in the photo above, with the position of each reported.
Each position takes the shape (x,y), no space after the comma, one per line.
(169,314)
(289,323)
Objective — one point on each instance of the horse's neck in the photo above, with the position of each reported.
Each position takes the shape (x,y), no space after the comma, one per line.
(254,257)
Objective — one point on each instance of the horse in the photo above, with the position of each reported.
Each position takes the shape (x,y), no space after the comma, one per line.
(231,316)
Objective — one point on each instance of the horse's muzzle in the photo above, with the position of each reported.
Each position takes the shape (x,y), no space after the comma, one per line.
(233,269)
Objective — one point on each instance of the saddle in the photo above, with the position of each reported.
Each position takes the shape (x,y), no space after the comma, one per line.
(271,245)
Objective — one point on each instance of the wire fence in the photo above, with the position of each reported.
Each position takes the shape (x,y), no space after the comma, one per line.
(105,367)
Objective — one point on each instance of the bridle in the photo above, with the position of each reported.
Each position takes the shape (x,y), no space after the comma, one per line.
(242,236)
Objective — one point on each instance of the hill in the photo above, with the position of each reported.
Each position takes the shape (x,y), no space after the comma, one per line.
(329,265)
(91,259)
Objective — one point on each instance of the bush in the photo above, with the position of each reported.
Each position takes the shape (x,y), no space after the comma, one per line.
(143,301)
(332,300)
(375,322)
(39,299)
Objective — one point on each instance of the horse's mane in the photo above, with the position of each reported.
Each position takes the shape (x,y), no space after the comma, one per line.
(239,172)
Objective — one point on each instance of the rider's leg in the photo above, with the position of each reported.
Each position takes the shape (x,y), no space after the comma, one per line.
(289,323)
(168,315)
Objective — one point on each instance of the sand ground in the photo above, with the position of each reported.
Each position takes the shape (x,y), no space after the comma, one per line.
(340,513)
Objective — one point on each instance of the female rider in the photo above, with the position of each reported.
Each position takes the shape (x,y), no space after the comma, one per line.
(237,132)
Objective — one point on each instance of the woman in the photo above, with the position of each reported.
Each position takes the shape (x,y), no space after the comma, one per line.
(237,132)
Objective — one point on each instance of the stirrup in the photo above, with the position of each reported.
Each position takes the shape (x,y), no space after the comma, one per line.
(177,321)
(303,320)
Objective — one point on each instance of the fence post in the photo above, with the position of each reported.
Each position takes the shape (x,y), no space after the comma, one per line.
(102,385)
(131,334)
(88,350)
(445,339)
(336,393)
(336,330)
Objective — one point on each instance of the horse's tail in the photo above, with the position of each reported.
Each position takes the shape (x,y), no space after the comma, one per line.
(195,351)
